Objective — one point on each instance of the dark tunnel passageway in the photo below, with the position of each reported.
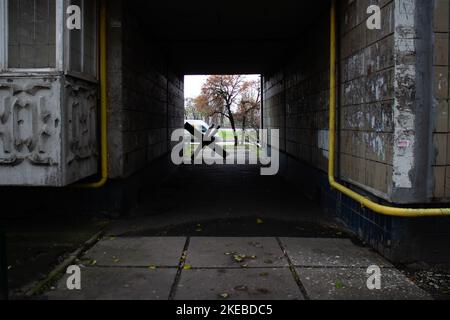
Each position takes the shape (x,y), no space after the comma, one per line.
(103,103)
(226,200)
(178,39)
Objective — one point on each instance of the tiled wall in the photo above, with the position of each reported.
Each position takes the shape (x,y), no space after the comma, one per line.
(147,97)
(296,98)
(367,78)
(441,132)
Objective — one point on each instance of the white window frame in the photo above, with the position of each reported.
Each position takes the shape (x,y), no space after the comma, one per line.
(82,75)
(59,33)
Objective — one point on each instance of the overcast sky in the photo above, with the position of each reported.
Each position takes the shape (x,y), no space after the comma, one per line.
(193,84)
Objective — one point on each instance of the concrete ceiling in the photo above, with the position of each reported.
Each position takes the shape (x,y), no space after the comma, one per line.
(245,36)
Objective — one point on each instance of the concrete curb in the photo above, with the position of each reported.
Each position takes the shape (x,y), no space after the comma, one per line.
(37,287)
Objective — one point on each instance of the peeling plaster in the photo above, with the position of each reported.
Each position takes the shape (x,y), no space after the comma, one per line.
(404,88)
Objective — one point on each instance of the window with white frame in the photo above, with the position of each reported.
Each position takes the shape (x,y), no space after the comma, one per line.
(82,56)
(33,37)
(31,34)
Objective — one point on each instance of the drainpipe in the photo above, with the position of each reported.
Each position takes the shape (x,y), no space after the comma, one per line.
(364,201)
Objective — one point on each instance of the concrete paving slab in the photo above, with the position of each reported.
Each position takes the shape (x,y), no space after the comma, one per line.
(137,252)
(117,284)
(312,252)
(238,284)
(218,252)
(351,284)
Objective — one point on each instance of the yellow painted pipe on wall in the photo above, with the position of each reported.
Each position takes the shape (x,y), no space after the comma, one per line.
(103,102)
(365,202)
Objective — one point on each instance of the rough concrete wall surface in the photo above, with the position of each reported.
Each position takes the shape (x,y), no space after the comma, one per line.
(47,130)
(150,103)
(441,128)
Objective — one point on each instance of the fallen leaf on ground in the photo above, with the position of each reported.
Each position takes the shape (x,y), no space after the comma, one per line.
(224,295)
(238,258)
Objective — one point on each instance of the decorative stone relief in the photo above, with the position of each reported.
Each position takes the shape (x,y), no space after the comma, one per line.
(81,104)
(29,125)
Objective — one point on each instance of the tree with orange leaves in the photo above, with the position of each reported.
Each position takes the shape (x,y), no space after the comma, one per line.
(220,96)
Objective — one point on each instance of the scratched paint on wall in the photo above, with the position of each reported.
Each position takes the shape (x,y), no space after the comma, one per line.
(404,84)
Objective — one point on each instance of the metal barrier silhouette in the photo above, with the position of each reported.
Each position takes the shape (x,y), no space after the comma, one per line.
(207,139)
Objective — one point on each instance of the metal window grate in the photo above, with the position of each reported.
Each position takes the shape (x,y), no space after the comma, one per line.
(31,34)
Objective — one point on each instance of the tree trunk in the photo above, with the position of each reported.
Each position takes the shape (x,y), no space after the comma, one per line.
(243,129)
(233,126)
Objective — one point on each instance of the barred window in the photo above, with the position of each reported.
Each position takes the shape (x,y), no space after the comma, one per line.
(83,43)
(31,34)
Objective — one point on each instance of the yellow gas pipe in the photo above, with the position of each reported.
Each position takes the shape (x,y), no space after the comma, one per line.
(365,202)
